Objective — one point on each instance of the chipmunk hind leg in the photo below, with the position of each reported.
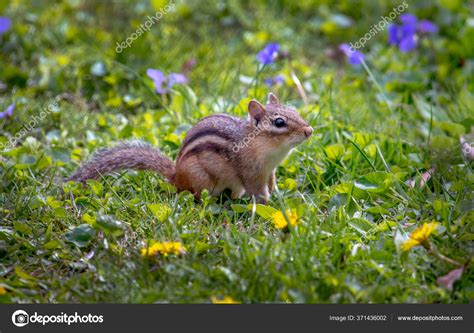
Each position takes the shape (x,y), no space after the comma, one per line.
(237,192)
(191,176)
(258,190)
(272,182)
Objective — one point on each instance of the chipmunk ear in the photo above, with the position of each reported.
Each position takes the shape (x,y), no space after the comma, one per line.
(272,99)
(256,111)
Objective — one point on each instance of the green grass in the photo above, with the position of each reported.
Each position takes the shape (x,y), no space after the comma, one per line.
(347,183)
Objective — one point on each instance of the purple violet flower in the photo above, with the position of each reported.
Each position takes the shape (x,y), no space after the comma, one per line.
(8,111)
(408,29)
(274,81)
(5,24)
(405,36)
(177,78)
(268,55)
(164,83)
(408,43)
(354,57)
(393,34)
(426,26)
(408,19)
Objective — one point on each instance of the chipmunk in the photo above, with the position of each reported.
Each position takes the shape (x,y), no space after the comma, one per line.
(219,152)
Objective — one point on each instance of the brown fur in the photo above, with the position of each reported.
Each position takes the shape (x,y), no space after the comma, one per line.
(219,152)
(126,155)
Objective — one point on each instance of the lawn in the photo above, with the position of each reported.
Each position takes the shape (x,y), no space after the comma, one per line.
(379,199)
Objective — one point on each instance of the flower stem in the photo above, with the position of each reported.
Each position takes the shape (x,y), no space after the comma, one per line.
(432,250)
(259,70)
(298,84)
(374,80)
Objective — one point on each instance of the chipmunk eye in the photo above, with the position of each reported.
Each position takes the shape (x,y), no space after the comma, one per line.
(279,122)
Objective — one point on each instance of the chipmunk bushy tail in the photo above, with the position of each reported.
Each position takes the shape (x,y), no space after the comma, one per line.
(126,155)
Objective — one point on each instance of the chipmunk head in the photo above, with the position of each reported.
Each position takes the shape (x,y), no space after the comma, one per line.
(278,123)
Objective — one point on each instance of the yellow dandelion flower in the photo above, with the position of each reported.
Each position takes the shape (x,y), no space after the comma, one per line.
(280,221)
(3,291)
(224,300)
(420,236)
(164,248)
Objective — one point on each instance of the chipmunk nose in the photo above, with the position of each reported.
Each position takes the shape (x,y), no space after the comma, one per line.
(308,131)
